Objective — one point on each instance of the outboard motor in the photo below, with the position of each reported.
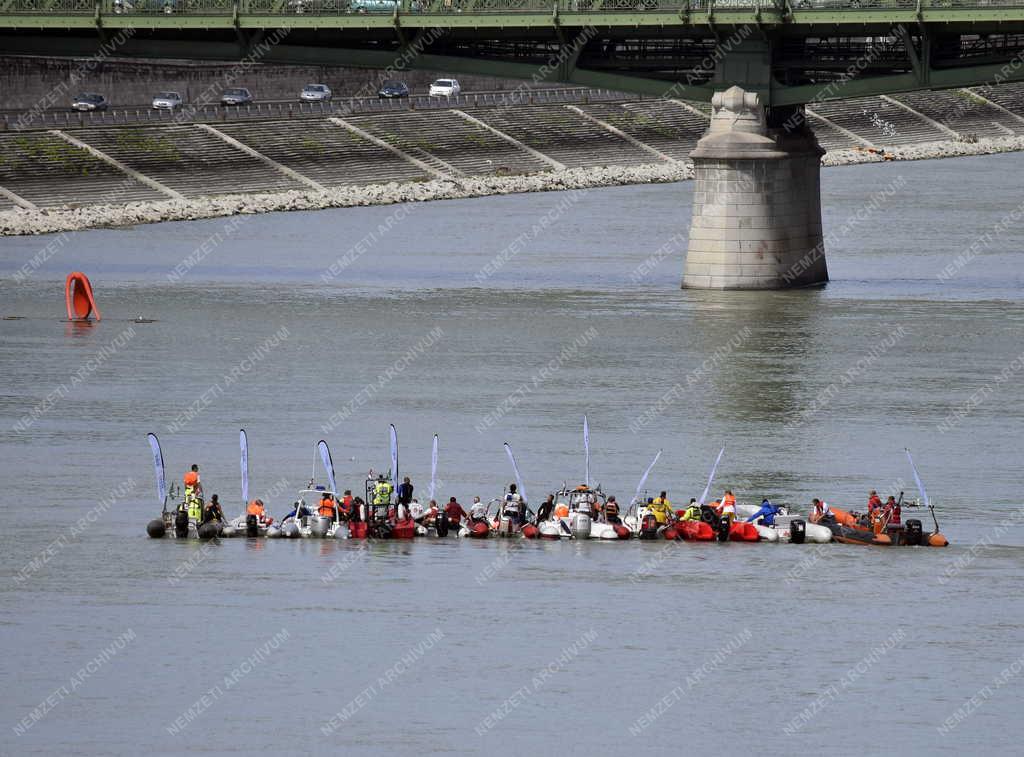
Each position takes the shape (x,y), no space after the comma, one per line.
(649,527)
(252,525)
(181,524)
(441,525)
(797,531)
(913,534)
(579,524)
(722,528)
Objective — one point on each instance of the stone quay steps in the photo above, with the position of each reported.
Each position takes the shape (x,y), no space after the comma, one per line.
(450,143)
(325,152)
(563,135)
(187,159)
(962,112)
(879,121)
(666,126)
(48,171)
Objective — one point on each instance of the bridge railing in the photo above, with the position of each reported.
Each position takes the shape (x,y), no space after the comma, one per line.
(388,7)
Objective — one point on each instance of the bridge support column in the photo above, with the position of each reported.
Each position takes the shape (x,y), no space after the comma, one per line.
(756,203)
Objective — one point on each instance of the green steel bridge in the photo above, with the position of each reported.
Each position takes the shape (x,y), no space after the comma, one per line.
(790,52)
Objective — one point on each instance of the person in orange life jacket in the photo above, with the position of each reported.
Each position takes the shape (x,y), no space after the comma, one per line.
(345,506)
(727,507)
(892,512)
(327,508)
(256,508)
(213,511)
(611,511)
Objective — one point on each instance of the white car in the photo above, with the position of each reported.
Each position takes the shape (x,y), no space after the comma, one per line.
(167,101)
(445,88)
(315,93)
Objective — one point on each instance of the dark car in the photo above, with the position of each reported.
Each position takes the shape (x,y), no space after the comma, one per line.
(89,101)
(391,89)
(236,96)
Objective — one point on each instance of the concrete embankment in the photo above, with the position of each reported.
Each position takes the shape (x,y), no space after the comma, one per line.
(60,180)
(20,222)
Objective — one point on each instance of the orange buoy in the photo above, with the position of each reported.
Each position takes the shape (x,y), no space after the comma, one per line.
(78,297)
(937,540)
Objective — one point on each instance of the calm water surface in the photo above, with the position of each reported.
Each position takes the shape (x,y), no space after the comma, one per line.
(465,647)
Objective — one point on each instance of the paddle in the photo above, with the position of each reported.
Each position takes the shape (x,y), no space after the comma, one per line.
(920,487)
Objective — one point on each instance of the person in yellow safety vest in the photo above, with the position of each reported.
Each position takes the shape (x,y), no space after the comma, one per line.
(662,509)
(382,492)
(692,512)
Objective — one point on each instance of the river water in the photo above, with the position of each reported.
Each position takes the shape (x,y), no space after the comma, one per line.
(481,322)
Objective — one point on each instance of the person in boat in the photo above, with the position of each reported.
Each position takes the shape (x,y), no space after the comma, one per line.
(727,506)
(193,493)
(299,510)
(514,506)
(416,510)
(213,511)
(327,507)
(358,511)
(820,511)
(547,507)
(891,513)
(345,506)
(692,511)
(382,491)
(611,511)
(478,511)
(661,507)
(766,514)
(455,513)
(256,508)
(405,492)
(874,502)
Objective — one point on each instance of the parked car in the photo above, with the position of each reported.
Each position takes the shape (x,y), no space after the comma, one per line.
(445,88)
(89,101)
(236,96)
(315,93)
(372,6)
(392,88)
(167,101)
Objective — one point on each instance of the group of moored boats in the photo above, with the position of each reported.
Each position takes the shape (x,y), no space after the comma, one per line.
(580,512)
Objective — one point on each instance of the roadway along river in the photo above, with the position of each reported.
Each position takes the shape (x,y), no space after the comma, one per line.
(117,644)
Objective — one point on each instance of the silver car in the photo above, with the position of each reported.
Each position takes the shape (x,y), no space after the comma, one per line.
(88,101)
(315,93)
(236,96)
(167,101)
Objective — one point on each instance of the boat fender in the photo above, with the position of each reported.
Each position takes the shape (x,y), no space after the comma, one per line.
(252,525)
(621,531)
(442,525)
(208,531)
(912,533)
(156,529)
(797,531)
(530,531)
(937,540)
(274,532)
(181,524)
(670,533)
(290,530)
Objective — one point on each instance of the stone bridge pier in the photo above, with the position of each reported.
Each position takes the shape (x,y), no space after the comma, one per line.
(757,199)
